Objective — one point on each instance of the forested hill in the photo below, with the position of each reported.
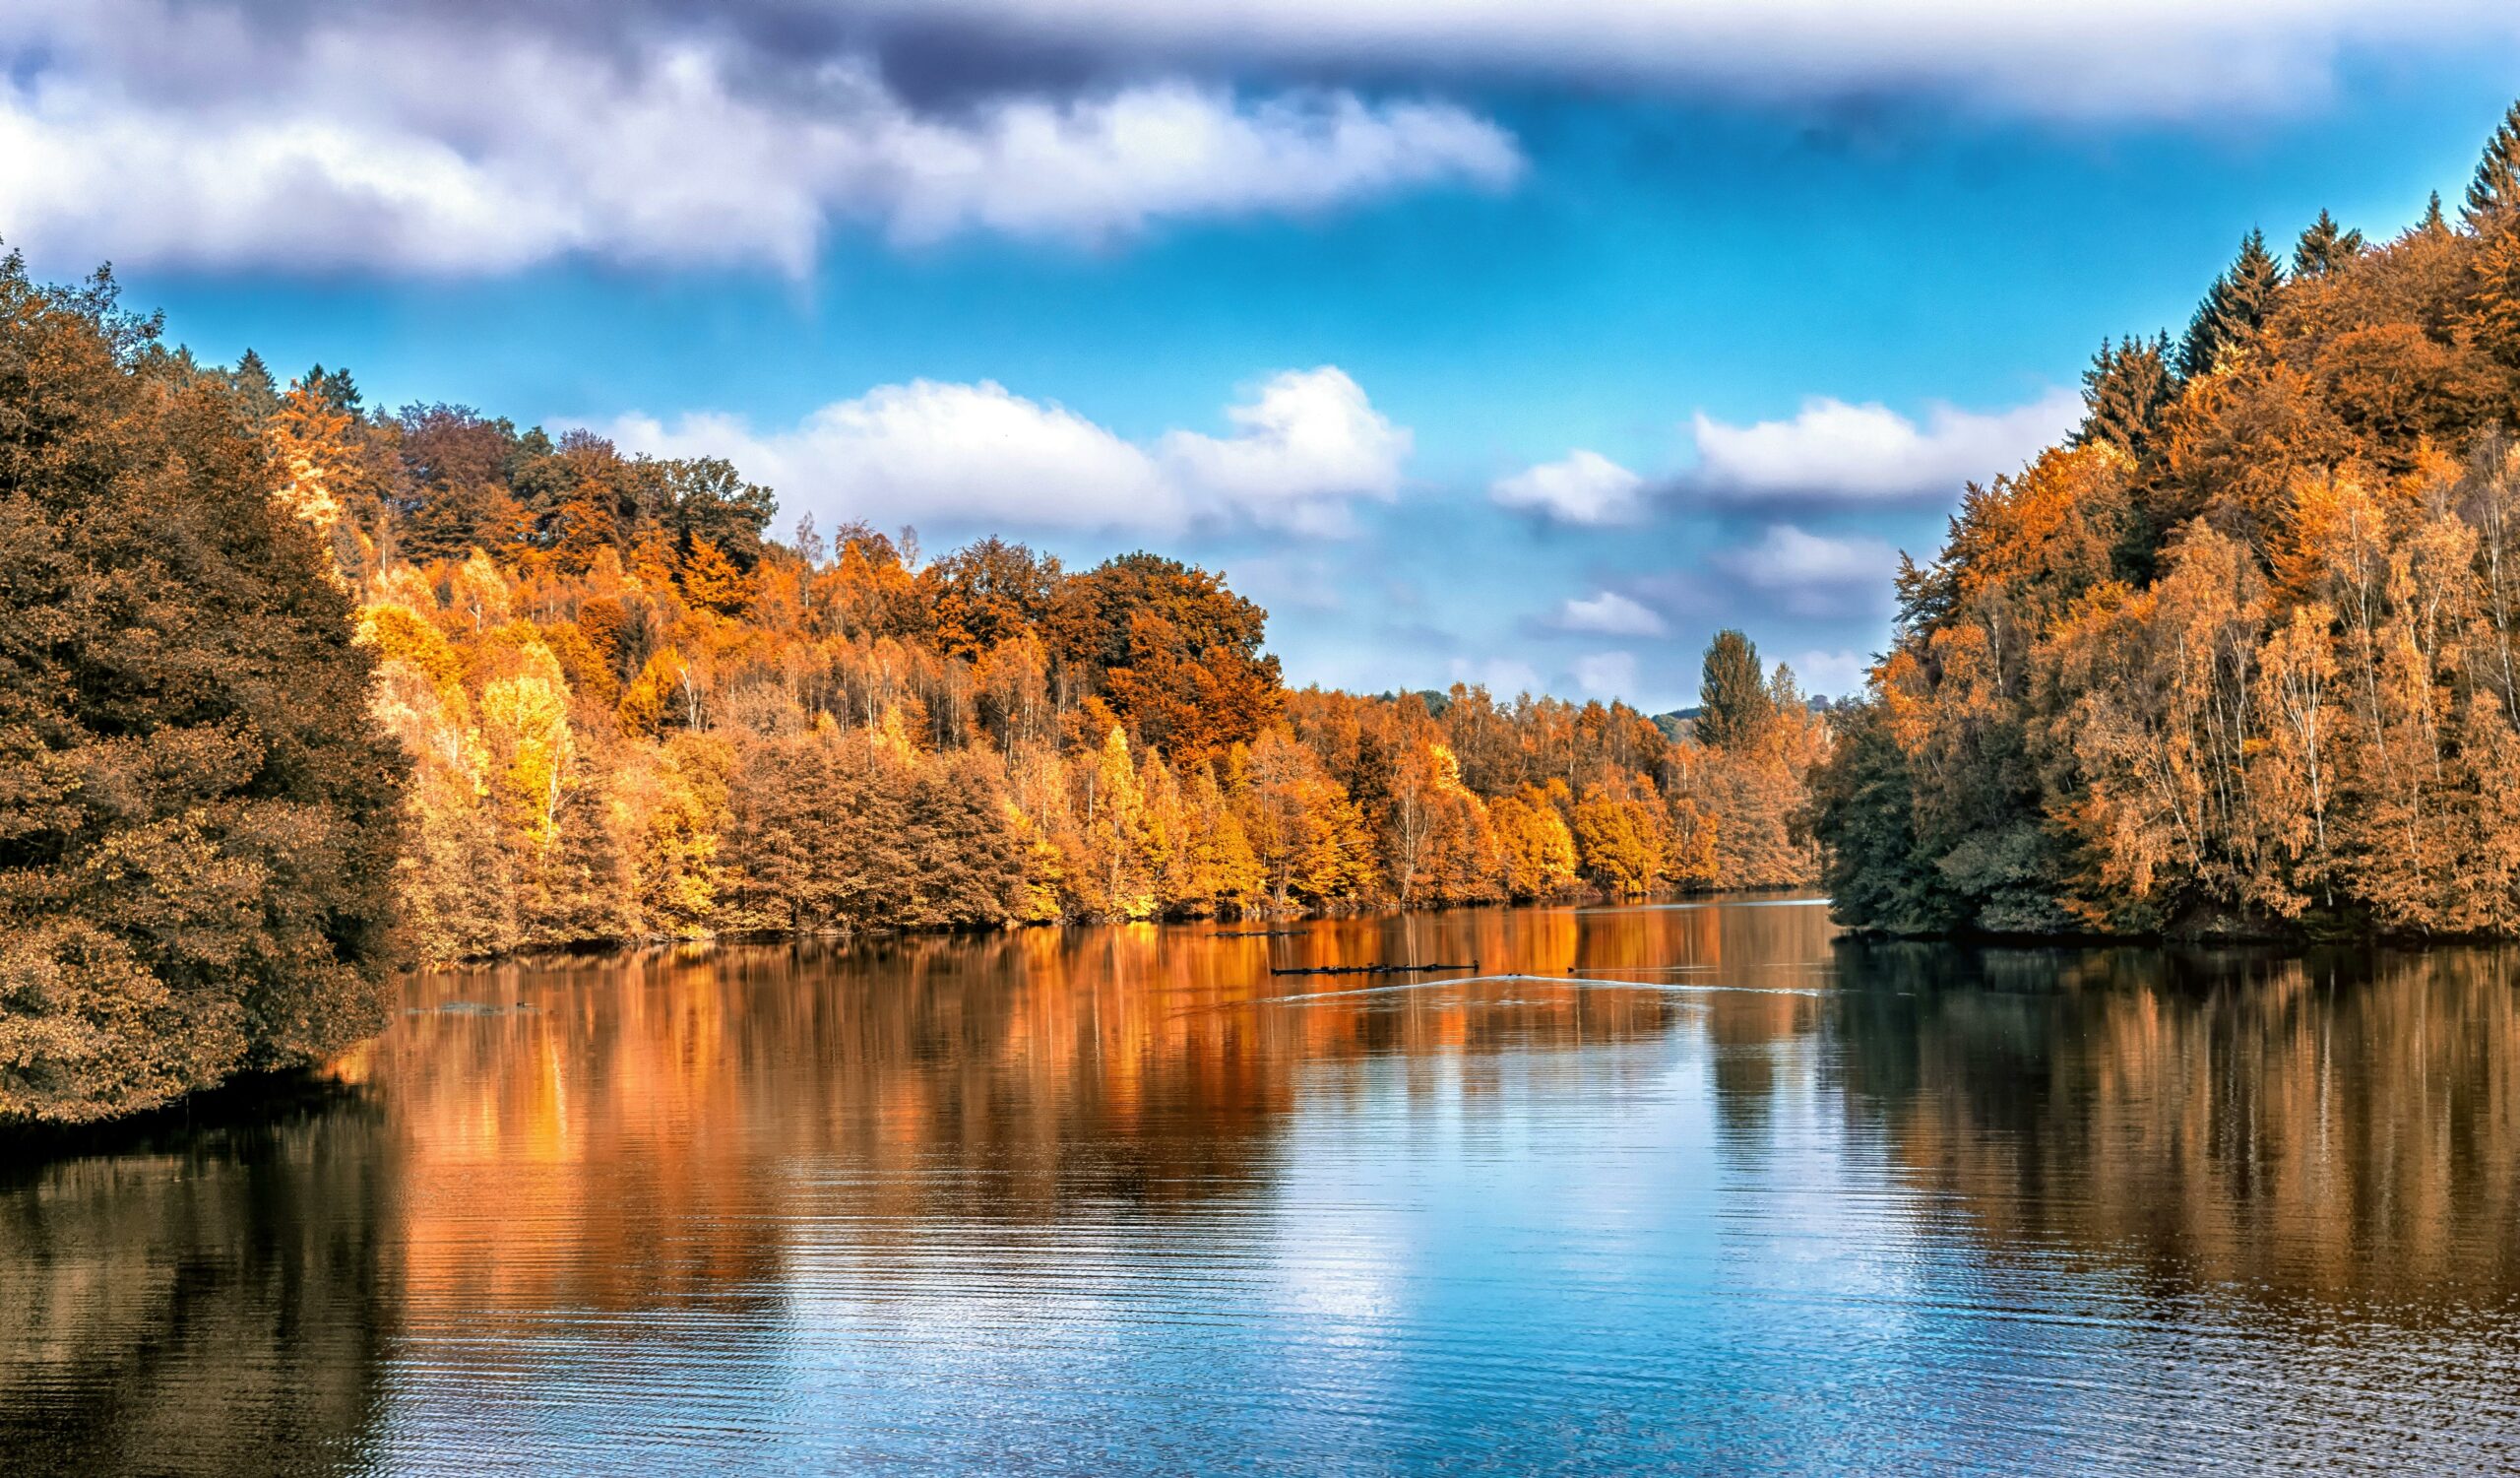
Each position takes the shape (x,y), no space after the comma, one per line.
(632,714)
(2240,656)
(293,686)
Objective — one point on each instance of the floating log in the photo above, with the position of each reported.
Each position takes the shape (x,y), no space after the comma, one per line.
(1372,969)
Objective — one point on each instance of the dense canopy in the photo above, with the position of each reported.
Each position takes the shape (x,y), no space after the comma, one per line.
(2240,658)
(284,667)
(198,818)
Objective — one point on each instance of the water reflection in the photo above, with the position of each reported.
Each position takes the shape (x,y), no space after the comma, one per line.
(206,1299)
(1661,1186)
(2343,1126)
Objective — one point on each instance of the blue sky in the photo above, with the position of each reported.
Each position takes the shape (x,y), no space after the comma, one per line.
(1303,292)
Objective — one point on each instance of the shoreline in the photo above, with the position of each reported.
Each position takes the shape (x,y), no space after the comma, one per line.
(1590,897)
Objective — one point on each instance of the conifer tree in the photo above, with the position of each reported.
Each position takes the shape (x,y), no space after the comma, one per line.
(2495,190)
(1736,710)
(2125,393)
(334,387)
(255,387)
(2235,308)
(2324,247)
(2432,223)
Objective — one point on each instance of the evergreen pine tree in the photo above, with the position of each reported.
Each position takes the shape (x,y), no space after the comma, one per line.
(1736,707)
(2234,308)
(2432,223)
(334,387)
(256,387)
(2495,190)
(2325,248)
(2125,392)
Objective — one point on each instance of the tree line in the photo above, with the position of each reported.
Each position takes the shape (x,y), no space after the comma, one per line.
(2238,656)
(294,689)
(632,714)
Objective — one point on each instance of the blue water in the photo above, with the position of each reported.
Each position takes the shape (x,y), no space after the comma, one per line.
(1689,1189)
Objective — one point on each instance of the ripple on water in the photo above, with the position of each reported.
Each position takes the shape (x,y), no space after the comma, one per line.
(1675,1187)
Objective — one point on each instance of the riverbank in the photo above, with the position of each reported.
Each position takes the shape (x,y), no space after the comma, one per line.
(1259,923)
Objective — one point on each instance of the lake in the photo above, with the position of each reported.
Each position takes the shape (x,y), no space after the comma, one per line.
(1681,1186)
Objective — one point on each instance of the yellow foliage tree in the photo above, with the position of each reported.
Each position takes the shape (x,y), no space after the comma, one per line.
(1538,850)
(1619,838)
(525,721)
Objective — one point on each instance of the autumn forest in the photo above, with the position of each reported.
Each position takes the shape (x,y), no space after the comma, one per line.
(631,715)
(532,693)
(298,689)
(2237,659)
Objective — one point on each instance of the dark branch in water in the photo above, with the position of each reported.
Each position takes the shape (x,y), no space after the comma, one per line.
(1372,969)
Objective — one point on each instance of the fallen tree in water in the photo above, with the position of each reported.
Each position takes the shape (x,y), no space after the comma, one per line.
(1370,969)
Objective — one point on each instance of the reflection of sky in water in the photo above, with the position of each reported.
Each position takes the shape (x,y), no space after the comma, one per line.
(1115,1202)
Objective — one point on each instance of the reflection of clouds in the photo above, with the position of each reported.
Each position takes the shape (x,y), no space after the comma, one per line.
(1679,1188)
(1337,1253)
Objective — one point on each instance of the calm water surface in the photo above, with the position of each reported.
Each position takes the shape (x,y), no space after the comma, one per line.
(1681,1188)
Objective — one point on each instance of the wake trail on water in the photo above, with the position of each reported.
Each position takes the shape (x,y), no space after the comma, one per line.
(1668,988)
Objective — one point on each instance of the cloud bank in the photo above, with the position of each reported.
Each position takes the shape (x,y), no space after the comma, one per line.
(1831,675)
(1606,675)
(1835,452)
(1612,615)
(467,136)
(1586,488)
(1304,449)
(1813,576)
(2060,59)
(436,139)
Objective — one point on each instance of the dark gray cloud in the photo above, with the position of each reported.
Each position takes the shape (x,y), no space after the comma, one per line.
(459,137)
(483,135)
(2065,59)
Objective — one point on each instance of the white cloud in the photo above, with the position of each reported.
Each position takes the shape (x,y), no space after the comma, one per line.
(1835,675)
(2056,59)
(1290,580)
(1812,575)
(1612,615)
(1092,167)
(449,135)
(1606,675)
(1303,449)
(399,138)
(1300,452)
(1586,487)
(1835,451)
(929,450)
(1502,676)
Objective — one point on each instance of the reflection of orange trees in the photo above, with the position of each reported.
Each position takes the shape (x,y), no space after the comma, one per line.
(569,1146)
(637,1133)
(2285,1128)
